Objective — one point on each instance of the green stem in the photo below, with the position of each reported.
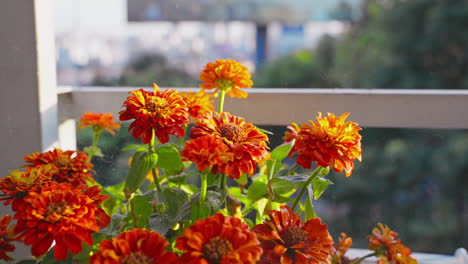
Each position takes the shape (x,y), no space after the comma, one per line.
(223,183)
(222,94)
(96,134)
(153,171)
(304,188)
(357,261)
(204,186)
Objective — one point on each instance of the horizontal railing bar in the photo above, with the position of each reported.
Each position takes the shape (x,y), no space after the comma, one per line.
(390,108)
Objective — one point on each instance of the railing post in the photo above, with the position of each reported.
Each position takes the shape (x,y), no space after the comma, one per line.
(28,99)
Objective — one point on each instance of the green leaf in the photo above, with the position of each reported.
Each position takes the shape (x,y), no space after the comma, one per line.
(142,164)
(257,190)
(309,208)
(243,180)
(282,151)
(273,167)
(142,210)
(261,206)
(282,186)
(319,186)
(169,159)
(212,204)
(133,146)
(299,178)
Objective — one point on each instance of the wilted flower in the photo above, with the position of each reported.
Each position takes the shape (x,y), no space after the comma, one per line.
(99,121)
(286,239)
(247,144)
(166,112)
(329,141)
(137,246)
(73,167)
(226,75)
(62,213)
(219,239)
(7,236)
(389,249)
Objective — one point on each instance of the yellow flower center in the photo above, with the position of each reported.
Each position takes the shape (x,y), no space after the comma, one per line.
(232,132)
(137,258)
(62,162)
(216,248)
(224,84)
(55,211)
(293,236)
(155,104)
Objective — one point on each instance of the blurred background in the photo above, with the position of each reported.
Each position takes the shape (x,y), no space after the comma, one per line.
(414,180)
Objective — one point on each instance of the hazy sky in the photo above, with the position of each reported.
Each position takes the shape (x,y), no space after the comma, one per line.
(90,15)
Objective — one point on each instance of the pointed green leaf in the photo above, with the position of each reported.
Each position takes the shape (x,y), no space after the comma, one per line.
(319,186)
(309,208)
(257,190)
(142,210)
(282,151)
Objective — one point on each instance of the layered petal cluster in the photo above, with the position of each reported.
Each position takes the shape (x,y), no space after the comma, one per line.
(72,166)
(18,184)
(219,239)
(328,141)
(137,246)
(389,249)
(7,236)
(199,103)
(286,239)
(164,112)
(340,249)
(207,151)
(62,213)
(99,121)
(245,143)
(226,75)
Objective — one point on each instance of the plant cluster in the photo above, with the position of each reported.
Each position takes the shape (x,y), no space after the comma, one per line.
(160,214)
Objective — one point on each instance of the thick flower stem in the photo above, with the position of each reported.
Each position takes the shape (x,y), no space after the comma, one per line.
(96,133)
(223,183)
(154,171)
(204,186)
(222,95)
(357,261)
(304,188)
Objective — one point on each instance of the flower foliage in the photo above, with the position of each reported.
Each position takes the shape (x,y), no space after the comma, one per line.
(389,249)
(165,112)
(228,76)
(286,239)
(219,239)
(72,166)
(243,140)
(60,213)
(99,121)
(7,236)
(134,246)
(329,141)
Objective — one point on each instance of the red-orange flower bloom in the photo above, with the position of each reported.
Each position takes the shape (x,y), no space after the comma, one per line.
(166,112)
(18,184)
(73,167)
(244,140)
(99,121)
(340,249)
(329,141)
(227,75)
(7,236)
(286,239)
(199,103)
(219,239)
(62,213)
(137,246)
(207,151)
(389,249)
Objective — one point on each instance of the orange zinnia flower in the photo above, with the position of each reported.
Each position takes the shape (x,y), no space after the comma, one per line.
(219,239)
(329,141)
(247,144)
(137,246)
(389,249)
(62,213)
(226,75)
(286,239)
(73,167)
(198,103)
(340,249)
(99,121)
(166,112)
(7,236)
(207,151)
(18,184)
